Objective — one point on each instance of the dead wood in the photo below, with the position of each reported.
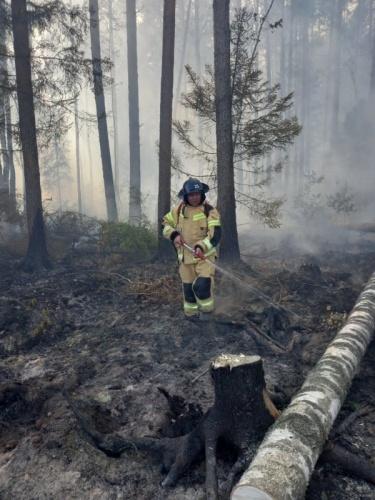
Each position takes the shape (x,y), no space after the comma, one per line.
(347,422)
(349,462)
(266,340)
(242,412)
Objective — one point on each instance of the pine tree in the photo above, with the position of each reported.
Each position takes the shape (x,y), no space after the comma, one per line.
(37,255)
(259,117)
(166,102)
(109,188)
(134,145)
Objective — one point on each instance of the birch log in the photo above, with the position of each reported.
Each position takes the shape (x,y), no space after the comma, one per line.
(286,459)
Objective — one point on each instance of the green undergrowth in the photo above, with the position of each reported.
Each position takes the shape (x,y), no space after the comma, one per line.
(137,242)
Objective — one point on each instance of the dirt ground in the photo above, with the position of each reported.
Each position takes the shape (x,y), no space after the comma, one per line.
(111,332)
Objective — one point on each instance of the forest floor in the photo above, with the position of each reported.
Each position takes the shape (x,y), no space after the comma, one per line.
(111,332)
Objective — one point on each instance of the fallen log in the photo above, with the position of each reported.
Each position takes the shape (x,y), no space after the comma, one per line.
(350,463)
(286,459)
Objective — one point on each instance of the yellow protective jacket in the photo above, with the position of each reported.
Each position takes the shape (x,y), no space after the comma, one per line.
(196,225)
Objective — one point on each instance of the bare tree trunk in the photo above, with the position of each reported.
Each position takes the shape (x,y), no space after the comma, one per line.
(90,159)
(371,6)
(328,82)
(4,149)
(135,211)
(337,71)
(59,197)
(9,134)
(283,51)
(291,46)
(224,141)
(372,75)
(166,103)
(268,57)
(198,64)
(305,96)
(287,457)
(296,65)
(37,255)
(183,52)
(4,187)
(112,55)
(197,37)
(283,88)
(268,158)
(289,87)
(78,159)
(109,189)
(355,68)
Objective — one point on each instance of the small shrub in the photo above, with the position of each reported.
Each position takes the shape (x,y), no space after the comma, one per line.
(137,242)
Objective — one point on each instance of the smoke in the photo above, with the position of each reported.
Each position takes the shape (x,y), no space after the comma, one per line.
(318,51)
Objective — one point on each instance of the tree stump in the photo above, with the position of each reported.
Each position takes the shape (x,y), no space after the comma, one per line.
(241,414)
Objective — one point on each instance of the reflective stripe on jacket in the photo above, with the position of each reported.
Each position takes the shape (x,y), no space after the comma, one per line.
(196,226)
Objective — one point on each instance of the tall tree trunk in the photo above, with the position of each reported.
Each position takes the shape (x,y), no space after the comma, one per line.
(166,103)
(340,4)
(305,96)
(287,457)
(371,5)
(268,56)
(183,52)
(4,187)
(78,158)
(291,45)
(372,74)
(198,68)
(9,135)
(59,197)
(268,158)
(296,64)
(90,159)
(355,67)
(4,150)
(257,161)
(283,50)
(135,211)
(283,89)
(224,141)
(197,37)
(112,55)
(37,255)
(109,189)
(328,79)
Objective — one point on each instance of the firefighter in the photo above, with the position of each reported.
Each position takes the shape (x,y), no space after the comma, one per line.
(197,224)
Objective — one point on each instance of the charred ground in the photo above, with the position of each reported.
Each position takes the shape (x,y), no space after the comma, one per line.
(110,332)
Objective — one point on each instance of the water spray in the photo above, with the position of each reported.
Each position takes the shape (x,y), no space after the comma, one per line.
(246,286)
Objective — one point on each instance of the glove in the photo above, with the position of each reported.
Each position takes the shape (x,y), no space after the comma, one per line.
(198,253)
(178,241)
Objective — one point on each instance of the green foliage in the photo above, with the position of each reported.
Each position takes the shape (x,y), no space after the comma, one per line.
(73,232)
(342,201)
(137,242)
(261,118)
(72,226)
(312,203)
(55,171)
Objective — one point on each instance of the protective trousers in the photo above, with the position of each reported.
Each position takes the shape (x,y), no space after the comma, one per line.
(197,282)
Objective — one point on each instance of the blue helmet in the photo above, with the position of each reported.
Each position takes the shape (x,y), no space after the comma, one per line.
(193,186)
